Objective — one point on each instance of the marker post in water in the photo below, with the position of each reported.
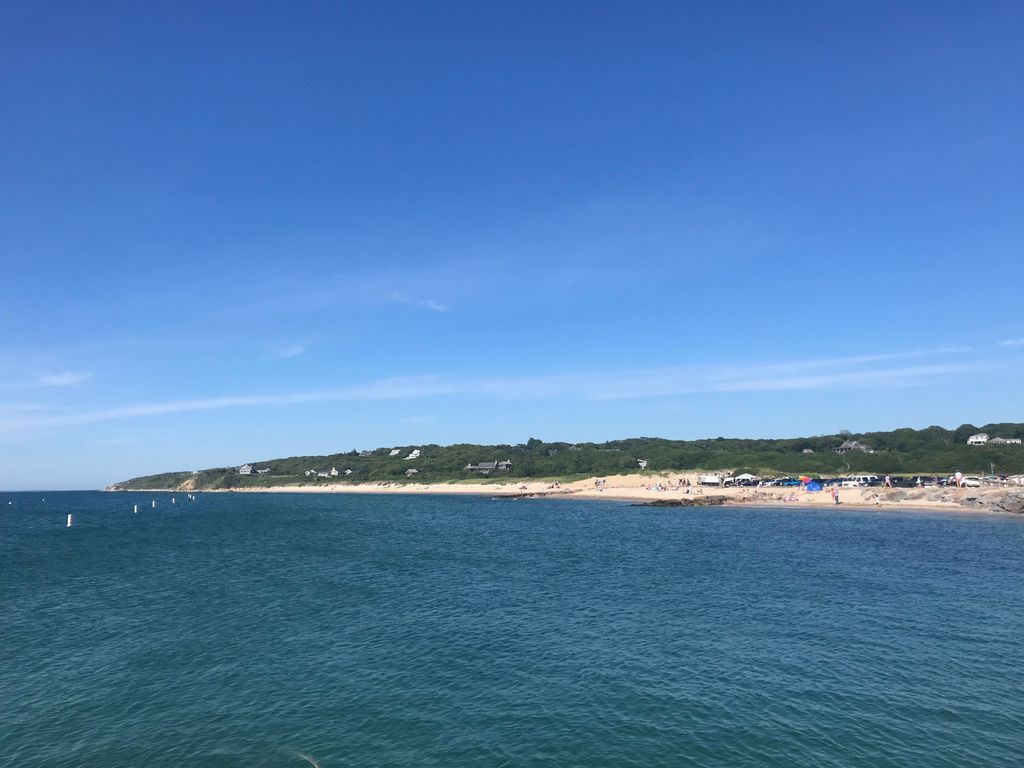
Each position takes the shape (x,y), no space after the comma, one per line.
(154,503)
(69,520)
(135,509)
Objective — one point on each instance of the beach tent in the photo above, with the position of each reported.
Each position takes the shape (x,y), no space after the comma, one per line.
(814,485)
(745,476)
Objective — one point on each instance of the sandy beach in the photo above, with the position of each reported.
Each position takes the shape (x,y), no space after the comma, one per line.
(671,487)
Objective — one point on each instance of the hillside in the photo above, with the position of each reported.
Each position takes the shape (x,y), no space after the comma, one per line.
(934,450)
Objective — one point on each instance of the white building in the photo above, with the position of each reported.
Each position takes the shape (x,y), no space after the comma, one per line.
(415,454)
(979,439)
(853,445)
(410,472)
(334,472)
(245,469)
(1004,441)
(395,451)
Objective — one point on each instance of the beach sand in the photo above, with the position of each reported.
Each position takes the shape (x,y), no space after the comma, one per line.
(666,488)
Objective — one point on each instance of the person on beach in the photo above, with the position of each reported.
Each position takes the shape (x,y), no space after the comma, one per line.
(888,482)
(835,494)
(959,479)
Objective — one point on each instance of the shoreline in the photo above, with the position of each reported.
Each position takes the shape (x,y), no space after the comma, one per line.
(666,491)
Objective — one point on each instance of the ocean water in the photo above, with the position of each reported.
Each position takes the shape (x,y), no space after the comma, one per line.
(449,631)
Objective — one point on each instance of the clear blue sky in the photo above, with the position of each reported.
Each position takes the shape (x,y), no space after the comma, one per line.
(231,232)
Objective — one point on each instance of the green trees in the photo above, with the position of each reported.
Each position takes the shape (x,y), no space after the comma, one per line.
(902,451)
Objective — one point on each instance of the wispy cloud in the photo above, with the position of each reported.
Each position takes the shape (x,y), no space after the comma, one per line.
(431,304)
(425,419)
(1012,343)
(64,379)
(289,350)
(115,441)
(883,371)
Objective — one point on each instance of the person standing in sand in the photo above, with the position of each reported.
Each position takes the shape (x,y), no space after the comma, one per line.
(959,479)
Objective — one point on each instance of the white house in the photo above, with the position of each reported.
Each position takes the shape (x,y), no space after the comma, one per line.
(642,463)
(333,472)
(979,439)
(264,471)
(1005,441)
(414,454)
(411,471)
(853,445)
(395,451)
(245,469)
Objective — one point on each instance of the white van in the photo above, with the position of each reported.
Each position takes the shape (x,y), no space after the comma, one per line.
(865,479)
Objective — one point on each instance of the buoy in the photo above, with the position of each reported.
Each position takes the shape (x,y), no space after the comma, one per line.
(172,500)
(136,509)
(69,521)
(154,503)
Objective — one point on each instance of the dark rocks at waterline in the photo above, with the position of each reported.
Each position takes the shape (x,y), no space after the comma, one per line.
(700,501)
(1011,502)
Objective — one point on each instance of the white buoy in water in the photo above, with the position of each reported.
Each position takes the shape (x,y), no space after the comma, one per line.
(154,503)
(69,520)
(173,501)
(136,509)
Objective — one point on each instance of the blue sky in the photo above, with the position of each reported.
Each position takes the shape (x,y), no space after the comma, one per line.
(235,232)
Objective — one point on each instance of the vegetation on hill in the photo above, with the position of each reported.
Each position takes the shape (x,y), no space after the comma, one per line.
(902,451)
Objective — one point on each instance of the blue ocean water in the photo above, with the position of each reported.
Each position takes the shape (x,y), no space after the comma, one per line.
(242,630)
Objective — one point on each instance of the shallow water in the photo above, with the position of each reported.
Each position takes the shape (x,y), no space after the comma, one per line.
(451,631)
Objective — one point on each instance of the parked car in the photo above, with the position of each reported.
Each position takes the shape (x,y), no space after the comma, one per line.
(971,481)
(925,481)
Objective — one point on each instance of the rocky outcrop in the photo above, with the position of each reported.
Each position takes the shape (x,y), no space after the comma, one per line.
(697,501)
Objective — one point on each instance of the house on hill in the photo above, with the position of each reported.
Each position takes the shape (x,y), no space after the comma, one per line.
(245,469)
(852,445)
(979,439)
(486,467)
(411,471)
(414,454)
(395,451)
(1004,441)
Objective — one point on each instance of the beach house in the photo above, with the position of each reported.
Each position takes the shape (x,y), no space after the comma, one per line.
(852,445)
(486,467)
(245,469)
(1004,441)
(979,439)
